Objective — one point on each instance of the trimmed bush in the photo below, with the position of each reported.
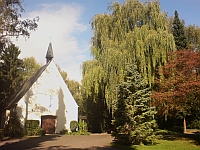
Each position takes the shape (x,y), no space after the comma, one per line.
(32,127)
(73,126)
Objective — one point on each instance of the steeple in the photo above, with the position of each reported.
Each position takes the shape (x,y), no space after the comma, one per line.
(49,55)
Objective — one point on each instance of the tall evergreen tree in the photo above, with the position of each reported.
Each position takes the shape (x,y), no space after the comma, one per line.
(134,116)
(11,72)
(179,33)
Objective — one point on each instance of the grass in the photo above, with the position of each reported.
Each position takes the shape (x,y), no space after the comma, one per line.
(169,142)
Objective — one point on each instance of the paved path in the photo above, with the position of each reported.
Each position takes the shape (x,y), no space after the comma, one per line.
(60,142)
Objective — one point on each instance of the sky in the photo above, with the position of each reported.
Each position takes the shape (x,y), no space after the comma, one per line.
(66,24)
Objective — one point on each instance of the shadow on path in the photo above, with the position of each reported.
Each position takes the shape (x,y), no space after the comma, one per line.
(59,142)
(27,143)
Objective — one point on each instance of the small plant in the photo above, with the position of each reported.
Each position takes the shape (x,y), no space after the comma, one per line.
(73,126)
(42,132)
(64,131)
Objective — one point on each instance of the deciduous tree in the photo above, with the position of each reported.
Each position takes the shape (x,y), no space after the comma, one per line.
(193,37)
(30,67)
(131,32)
(11,24)
(179,87)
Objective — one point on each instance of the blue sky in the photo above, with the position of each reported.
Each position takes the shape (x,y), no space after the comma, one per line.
(65,23)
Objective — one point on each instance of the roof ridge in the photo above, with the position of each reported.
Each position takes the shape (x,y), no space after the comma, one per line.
(25,86)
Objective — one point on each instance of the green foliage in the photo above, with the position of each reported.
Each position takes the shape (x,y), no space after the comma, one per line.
(82,128)
(163,132)
(134,117)
(193,37)
(179,33)
(73,126)
(195,124)
(79,128)
(132,32)
(64,131)
(30,67)
(32,127)
(11,71)
(14,127)
(11,23)
(41,132)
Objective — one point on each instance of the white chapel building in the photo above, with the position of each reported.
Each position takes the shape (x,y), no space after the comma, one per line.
(46,97)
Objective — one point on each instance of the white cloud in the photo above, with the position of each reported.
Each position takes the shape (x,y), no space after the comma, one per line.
(58,23)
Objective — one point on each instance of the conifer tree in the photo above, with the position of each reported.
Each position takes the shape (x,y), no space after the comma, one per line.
(11,72)
(134,116)
(179,33)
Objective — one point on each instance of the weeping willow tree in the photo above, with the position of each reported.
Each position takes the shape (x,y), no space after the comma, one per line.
(132,32)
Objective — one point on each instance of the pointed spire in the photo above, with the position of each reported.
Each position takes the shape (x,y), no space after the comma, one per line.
(49,55)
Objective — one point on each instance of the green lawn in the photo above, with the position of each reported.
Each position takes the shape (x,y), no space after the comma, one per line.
(170,142)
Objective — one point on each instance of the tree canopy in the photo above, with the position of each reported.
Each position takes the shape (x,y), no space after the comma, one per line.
(193,37)
(10,20)
(179,88)
(131,32)
(30,66)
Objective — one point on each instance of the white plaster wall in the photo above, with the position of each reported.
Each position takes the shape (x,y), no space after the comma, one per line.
(49,95)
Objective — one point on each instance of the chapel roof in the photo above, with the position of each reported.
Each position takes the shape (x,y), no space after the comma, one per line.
(28,83)
(25,87)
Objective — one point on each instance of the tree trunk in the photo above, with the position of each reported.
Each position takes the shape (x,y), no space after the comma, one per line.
(184,125)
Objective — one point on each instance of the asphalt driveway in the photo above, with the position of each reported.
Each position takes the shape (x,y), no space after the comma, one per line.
(60,142)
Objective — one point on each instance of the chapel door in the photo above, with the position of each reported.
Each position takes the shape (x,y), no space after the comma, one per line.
(48,122)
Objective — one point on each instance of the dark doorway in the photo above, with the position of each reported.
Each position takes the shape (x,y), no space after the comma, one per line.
(48,122)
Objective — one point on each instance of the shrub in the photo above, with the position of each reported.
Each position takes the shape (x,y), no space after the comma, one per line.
(195,124)
(164,132)
(73,126)
(42,132)
(150,140)
(32,127)
(63,131)
(14,127)
(82,126)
